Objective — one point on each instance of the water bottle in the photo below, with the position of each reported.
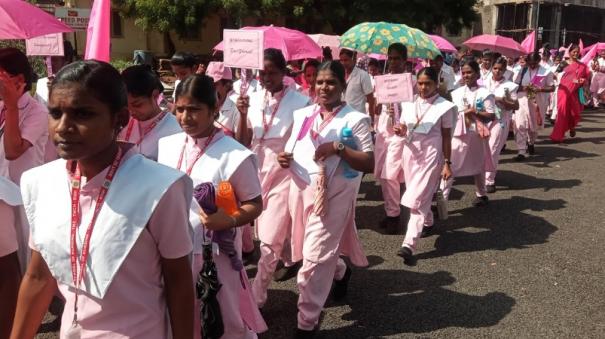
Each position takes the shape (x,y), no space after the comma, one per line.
(479,105)
(346,137)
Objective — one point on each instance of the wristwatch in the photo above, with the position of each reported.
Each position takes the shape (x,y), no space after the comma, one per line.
(339,148)
(447,161)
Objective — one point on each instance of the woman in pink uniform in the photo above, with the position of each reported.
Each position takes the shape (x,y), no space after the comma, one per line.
(324,214)
(148,122)
(389,148)
(108,226)
(206,154)
(470,138)
(310,74)
(13,251)
(266,124)
(23,120)
(426,124)
(505,95)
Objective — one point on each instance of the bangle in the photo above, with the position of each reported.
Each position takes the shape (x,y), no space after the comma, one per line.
(448,162)
(234,219)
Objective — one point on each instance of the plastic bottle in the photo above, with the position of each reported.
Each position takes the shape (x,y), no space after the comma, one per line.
(346,137)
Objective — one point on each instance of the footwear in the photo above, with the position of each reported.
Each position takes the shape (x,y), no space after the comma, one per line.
(406,254)
(393,225)
(531,149)
(490,188)
(304,334)
(572,133)
(480,201)
(427,231)
(520,157)
(285,273)
(339,291)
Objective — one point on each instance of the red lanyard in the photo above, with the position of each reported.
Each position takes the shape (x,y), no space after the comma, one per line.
(197,156)
(325,122)
(267,126)
(2,119)
(146,131)
(76,218)
(421,117)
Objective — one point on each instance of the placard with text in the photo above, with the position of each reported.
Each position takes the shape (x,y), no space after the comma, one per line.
(391,88)
(243,48)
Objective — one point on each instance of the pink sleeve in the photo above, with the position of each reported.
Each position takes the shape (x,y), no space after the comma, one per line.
(169,223)
(245,180)
(362,133)
(8,235)
(447,120)
(35,123)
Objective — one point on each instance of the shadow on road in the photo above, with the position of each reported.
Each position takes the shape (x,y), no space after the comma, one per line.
(414,302)
(509,180)
(547,154)
(513,227)
(411,302)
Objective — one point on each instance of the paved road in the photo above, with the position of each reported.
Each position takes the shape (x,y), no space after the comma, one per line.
(530,265)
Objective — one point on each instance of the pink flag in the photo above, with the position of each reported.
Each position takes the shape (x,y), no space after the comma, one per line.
(587,58)
(304,128)
(97,37)
(581,44)
(529,42)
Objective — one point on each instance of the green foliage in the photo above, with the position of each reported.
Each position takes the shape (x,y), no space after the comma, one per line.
(308,15)
(121,64)
(38,64)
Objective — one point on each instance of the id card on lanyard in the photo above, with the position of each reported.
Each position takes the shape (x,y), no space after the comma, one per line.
(74,331)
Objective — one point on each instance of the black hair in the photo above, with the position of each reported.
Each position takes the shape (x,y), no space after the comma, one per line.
(373,62)
(534,56)
(351,54)
(336,68)
(141,81)
(183,59)
(327,53)
(98,78)
(574,46)
(276,57)
(487,54)
(501,61)
(472,63)
(429,72)
(311,63)
(15,62)
(438,57)
(199,87)
(399,48)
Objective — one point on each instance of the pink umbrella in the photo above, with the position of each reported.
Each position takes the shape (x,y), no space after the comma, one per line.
(295,45)
(495,43)
(325,40)
(443,44)
(21,20)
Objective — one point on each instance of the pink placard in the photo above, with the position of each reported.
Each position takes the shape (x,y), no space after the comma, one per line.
(243,48)
(46,45)
(391,88)
(538,80)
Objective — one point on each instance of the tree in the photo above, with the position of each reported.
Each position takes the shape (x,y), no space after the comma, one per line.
(307,15)
(166,15)
(312,15)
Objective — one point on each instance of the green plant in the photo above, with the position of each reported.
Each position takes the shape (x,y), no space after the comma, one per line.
(121,64)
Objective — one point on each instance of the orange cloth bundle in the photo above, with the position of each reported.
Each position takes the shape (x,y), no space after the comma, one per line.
(225,198)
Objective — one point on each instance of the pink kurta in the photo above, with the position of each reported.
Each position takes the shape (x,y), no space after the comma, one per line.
(388,150)
(423,161)
(468,148)
(135,303)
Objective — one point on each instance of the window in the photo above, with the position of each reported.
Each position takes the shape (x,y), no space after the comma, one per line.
(116,25)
